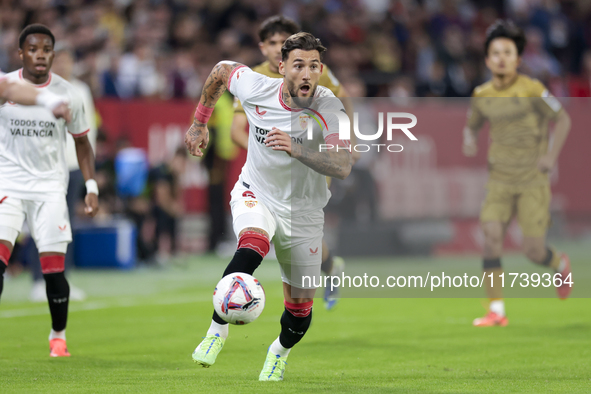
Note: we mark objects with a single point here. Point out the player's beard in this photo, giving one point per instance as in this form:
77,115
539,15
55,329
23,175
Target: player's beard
300,102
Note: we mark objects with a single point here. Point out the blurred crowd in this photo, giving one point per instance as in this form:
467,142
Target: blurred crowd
166,48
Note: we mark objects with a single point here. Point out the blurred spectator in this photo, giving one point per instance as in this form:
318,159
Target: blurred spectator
137,74
164,182
537,62
581,86
220,151
163,49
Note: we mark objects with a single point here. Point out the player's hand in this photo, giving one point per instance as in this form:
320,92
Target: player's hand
278,140
63,111
469,148
197,138
92,206
546,163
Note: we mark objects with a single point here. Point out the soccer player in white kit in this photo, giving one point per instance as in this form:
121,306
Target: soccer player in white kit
34,174
282,189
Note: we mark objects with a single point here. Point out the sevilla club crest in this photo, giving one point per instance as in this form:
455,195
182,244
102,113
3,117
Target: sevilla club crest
304,121
250,204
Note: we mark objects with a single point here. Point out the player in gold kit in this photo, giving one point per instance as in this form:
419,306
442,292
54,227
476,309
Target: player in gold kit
273,33
518,109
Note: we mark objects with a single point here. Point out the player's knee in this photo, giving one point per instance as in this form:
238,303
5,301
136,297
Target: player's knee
493,241
492,248
52,264
535,253
255,241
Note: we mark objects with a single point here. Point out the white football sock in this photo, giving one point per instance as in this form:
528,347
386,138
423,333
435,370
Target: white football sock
57,334
498,307
561,266
220,329
277,348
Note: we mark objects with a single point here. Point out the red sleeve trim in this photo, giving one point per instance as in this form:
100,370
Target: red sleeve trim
80,134
232,75
333,139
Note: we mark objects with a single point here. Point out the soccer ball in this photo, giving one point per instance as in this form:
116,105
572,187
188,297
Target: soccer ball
239,298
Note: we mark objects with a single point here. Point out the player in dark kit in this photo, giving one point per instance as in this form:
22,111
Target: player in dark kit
520,158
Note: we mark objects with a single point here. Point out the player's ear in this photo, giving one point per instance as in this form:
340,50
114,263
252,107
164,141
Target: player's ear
262,48
281,67
20,54
321,67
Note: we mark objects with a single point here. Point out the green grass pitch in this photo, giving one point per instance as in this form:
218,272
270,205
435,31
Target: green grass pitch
137,330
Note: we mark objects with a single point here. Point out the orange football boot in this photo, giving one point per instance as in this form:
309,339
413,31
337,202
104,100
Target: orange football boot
491,319
58,348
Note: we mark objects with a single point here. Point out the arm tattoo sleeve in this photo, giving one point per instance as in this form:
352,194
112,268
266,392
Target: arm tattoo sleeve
334,164
217,82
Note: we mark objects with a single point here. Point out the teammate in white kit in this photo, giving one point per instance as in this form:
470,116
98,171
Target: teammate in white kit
23,93
282,189
34,174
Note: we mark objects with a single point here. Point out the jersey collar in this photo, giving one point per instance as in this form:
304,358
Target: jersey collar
43,85
285,106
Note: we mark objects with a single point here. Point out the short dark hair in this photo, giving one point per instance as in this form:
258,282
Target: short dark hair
35,28
304,41
505,29
277,24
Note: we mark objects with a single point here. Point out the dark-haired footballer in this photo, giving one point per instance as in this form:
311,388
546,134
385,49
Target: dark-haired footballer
34,174
272,34
518,109
282,189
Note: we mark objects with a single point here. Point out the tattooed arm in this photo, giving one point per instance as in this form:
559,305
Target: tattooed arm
333,163
197,136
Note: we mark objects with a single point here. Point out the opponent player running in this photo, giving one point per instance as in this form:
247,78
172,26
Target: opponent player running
282,189
34,174
273,33
519,160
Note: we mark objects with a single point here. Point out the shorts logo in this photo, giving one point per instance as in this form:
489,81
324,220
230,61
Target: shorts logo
248,193
250,204
62,228
259,112
3,198
313,251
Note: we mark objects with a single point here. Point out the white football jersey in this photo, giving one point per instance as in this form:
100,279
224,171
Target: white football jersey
287,186
33,144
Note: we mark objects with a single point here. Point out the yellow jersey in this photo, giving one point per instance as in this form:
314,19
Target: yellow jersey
327,79
518,116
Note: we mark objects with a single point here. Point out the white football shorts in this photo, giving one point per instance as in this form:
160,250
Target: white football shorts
297,239
48,221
